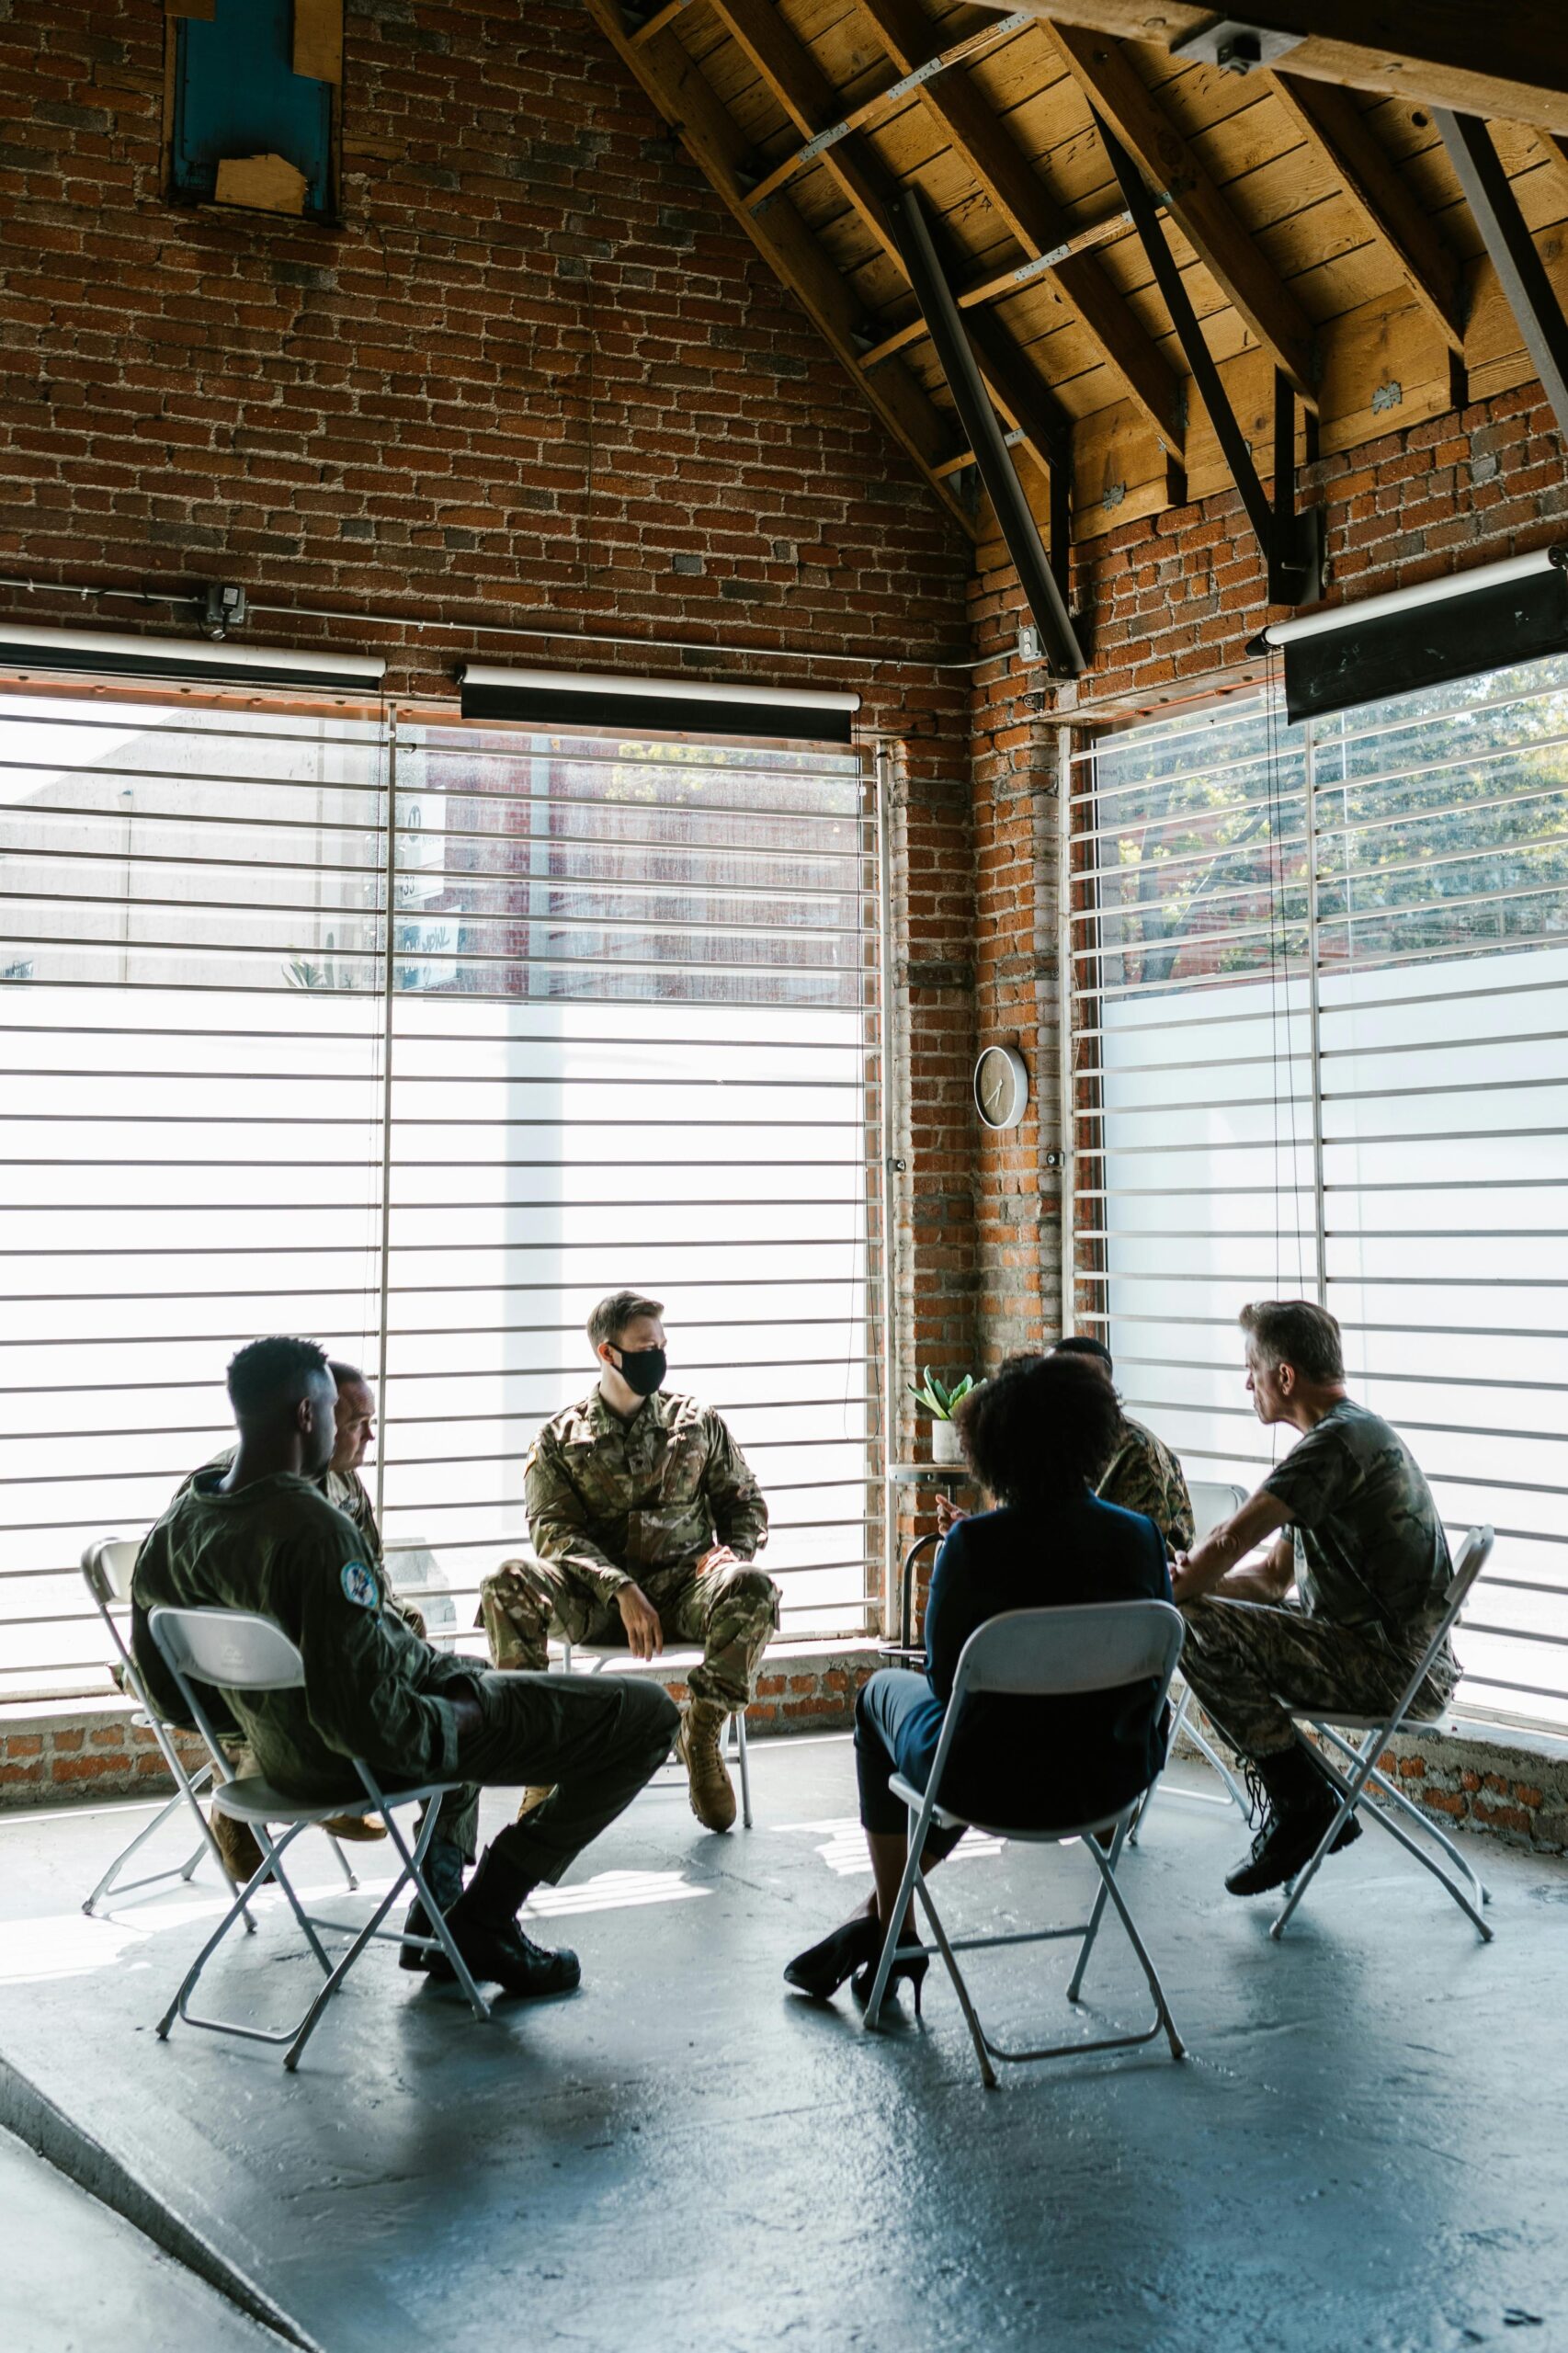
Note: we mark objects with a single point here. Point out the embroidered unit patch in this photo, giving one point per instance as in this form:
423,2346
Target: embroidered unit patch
360,1586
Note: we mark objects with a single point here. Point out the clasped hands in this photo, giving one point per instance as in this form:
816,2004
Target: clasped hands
645,1633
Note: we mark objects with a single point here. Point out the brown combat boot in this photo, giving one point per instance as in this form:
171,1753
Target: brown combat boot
237,1842
359,1829
532,1799
696,1746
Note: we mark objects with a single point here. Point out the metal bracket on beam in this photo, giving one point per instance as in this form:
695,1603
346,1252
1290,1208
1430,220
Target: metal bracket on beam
1495,211
1236,46
1290,544
1040,577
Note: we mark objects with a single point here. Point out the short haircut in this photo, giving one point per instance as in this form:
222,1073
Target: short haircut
268,1376
1296,1332
612,1315
347,1376
1080,1345
1040,1430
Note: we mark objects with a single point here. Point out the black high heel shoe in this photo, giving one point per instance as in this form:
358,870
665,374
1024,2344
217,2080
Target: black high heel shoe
912,1965
822,1968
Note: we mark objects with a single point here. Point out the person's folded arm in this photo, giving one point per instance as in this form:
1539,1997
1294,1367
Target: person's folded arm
559,1529
734,1498
952,1612
1215,1561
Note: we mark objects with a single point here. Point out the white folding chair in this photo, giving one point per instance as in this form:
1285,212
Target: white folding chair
107,1567
598,1654
1211,1501
1040,1654
234,1651
1466,1889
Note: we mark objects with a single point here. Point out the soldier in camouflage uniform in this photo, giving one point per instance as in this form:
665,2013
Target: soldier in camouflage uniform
1364,1548
263,1538
355,1425
643,1521
1142,1475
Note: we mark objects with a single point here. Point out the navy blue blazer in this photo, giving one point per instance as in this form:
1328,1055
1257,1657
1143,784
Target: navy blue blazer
1027,1761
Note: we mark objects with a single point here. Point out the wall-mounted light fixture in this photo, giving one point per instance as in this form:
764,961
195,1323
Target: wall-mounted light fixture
608,698
99,653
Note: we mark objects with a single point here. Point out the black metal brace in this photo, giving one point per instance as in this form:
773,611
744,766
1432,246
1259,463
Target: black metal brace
1495,208
1043,578
1291,542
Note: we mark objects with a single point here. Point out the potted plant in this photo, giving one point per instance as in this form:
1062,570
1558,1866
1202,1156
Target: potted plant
938,1401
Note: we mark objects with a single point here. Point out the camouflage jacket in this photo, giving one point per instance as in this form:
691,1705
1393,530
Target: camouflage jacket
611,1500
1371,1548
1144,1475
372,1689
345,1491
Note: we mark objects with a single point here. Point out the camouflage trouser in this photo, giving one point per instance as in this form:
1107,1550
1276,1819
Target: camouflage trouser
1243,1658
732,1610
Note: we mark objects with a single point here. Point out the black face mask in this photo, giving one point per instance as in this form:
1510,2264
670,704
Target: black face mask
643,1369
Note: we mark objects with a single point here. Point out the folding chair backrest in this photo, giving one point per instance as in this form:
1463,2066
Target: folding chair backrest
106,1566
1096,1647
1212,1501
228,1648
1472,1557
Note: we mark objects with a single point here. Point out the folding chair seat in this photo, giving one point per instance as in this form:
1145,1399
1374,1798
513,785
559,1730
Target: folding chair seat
1213,1500
598,1654
1040,1654
234,1651
1363,1774
107,1567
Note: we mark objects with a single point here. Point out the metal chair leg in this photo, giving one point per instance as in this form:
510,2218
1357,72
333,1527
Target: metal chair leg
738,1722
1075,1982
960,1987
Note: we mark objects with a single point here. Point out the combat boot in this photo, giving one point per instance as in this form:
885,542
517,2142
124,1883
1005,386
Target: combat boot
696,1746
237,1842
532,1801
1301,1803
484,1928
444,1878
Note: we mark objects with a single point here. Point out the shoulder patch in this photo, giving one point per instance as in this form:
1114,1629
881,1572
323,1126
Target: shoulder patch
360,1586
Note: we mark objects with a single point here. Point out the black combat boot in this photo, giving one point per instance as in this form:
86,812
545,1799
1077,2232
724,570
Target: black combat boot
483,1922
1299,1803
444,1878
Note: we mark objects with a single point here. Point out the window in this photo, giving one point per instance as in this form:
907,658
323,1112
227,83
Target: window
1321,1049
626,1040
253,104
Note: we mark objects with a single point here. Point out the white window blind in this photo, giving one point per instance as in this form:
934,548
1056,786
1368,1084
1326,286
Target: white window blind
419,1039
1321,1049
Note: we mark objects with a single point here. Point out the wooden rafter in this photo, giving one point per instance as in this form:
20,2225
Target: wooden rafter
1115,88
1510,60
993,156
811,103
996,285
683,97
1335,123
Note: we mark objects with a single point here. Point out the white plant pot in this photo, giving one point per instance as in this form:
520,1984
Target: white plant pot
945,1447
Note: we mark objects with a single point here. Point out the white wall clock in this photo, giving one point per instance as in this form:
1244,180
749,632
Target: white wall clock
1001,1086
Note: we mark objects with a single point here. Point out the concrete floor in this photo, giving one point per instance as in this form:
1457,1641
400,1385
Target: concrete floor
1367,2148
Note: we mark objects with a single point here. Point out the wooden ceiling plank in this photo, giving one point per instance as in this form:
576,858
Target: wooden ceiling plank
1010,180
667,73
1113,87
1508,62
812,104
1334,122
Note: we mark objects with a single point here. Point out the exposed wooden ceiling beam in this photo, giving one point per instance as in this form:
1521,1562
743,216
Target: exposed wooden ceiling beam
1009,179
1335,123
683,95
1508,61
996,285
812,104
1115,88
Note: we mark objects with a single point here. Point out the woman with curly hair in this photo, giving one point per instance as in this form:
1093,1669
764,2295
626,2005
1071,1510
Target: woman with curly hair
1037,1437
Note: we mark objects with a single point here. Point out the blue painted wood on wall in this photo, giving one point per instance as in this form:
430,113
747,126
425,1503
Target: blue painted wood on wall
236,94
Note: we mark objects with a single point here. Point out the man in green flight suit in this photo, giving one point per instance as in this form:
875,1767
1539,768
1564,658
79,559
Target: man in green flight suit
643,1521
262,1537
354,1423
